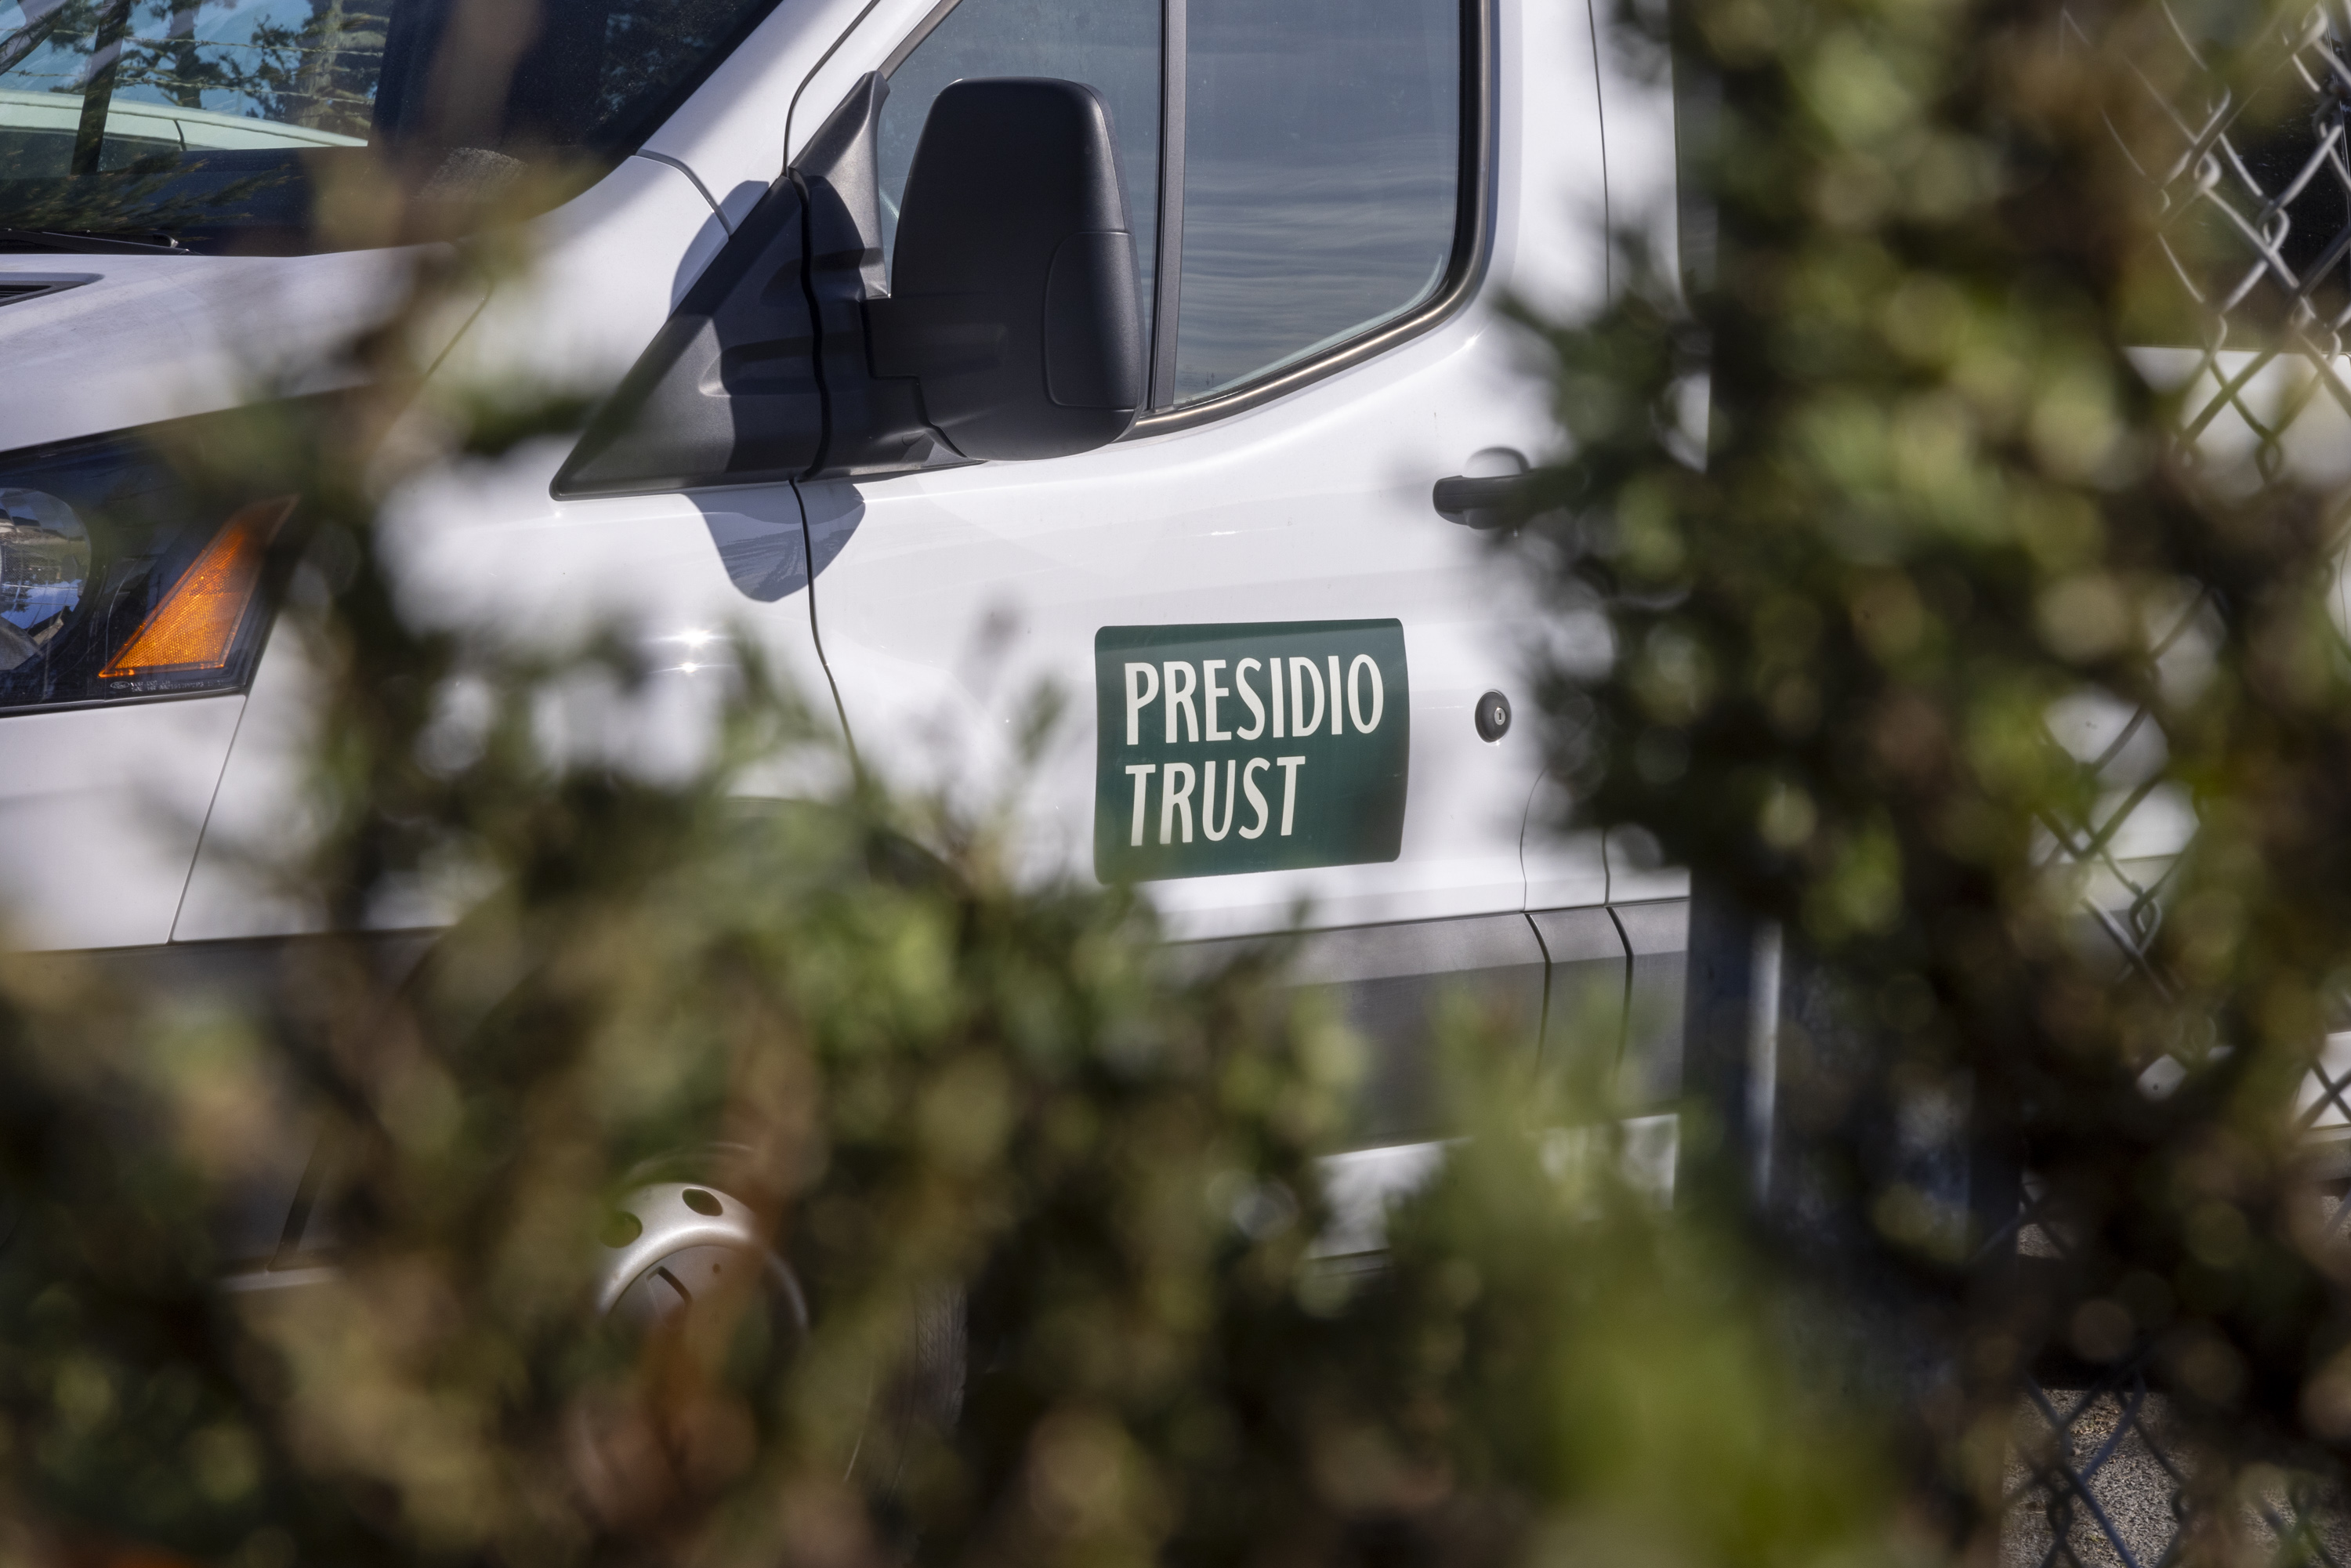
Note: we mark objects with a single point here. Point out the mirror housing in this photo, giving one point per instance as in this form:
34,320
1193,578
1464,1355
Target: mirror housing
1013,300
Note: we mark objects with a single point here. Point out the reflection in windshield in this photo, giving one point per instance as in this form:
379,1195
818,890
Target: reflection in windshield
92,85
195,119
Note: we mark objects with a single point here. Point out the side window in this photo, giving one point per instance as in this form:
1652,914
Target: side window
1321,161
1111,46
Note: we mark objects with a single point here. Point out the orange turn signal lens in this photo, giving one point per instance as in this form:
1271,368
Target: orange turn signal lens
196,626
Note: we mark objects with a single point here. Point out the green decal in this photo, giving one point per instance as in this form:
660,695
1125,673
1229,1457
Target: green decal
1262,746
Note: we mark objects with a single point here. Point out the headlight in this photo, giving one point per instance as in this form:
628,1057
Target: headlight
121,579
44,567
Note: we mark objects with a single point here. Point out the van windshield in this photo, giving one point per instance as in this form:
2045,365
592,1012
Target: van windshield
203,124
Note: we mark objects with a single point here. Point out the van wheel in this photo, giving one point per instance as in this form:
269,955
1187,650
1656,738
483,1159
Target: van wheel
669,1244
643,1443
666,1244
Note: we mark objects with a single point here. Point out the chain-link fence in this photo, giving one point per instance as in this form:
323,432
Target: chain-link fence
2255,171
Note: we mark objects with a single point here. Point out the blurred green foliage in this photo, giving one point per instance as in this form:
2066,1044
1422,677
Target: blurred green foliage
1945,506
1052,1190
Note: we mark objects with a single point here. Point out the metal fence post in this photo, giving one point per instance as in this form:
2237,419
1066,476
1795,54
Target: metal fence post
1725,1155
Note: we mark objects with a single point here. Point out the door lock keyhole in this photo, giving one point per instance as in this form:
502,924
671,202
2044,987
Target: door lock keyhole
1493,717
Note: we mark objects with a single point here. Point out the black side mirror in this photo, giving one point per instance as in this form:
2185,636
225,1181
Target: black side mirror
1012,298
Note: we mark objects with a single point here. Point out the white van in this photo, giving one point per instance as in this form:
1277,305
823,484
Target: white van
1220,471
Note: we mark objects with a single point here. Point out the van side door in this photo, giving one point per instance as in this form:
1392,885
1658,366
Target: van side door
1270,645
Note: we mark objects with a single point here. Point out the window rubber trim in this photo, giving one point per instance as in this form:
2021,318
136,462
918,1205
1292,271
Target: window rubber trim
1167,265
1473,231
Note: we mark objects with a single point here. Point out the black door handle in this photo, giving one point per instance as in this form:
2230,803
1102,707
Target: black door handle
1477,503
